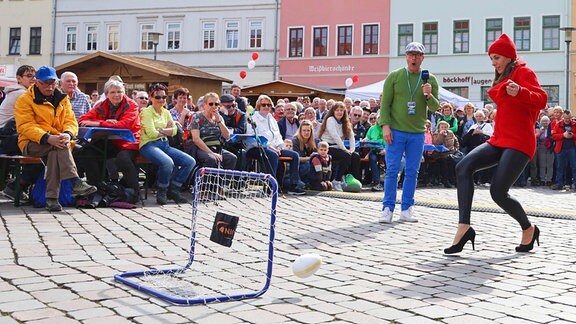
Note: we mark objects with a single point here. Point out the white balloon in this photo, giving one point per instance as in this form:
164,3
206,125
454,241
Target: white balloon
251,64
349,82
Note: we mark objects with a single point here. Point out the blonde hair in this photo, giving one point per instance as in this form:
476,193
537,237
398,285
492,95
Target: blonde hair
323,144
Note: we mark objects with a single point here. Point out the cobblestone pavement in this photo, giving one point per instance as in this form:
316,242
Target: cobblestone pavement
59,267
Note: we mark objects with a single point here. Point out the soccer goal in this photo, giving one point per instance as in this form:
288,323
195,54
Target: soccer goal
231,242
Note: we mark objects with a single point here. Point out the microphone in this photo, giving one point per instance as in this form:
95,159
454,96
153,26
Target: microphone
425,75
250,121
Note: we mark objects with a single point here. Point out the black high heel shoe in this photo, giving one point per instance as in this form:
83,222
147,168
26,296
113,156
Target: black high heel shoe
470,235
528,247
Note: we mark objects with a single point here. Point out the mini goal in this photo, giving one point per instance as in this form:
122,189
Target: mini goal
231,242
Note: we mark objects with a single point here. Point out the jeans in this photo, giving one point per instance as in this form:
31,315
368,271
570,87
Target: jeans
374,167
174,166
565,157
410,146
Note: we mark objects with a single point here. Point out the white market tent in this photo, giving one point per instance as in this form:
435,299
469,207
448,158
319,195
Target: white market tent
373,91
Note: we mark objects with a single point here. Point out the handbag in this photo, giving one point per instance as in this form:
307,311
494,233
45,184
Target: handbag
457,156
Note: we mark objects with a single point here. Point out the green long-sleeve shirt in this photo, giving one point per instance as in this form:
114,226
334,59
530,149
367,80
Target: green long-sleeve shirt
395,98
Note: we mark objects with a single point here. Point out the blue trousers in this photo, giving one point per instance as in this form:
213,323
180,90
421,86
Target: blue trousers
410,146
174,166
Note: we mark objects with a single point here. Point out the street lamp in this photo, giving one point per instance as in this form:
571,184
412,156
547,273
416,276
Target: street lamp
155,41
568,40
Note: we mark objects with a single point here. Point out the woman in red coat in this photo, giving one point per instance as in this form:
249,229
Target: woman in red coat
519,98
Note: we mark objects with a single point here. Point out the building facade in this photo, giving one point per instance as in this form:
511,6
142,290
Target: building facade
324,43
216,37
24,39
457,41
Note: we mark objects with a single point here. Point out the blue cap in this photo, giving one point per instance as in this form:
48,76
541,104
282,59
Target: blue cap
46,73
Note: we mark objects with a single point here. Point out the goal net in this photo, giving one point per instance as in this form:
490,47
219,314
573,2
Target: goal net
231,242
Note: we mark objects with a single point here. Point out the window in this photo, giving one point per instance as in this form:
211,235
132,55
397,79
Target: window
145,37
209,34
173,37
255,34
493,31
461,36
296,41
461,91
430,37
344,40
91,38
35,40
522,33
232,30
553,92
371,35
14,46
551,32
484,95
405,37
71,36
320,46
113,37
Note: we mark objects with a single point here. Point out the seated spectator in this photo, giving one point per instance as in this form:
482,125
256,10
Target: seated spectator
25,77
181,116
478,133
444,136
447,111
208,132
310,115
142,100
116,111
279,112
235,121
305,144
335,128
374,134
288,125
565,148
269,156
46,124
545,151
320,169
467,120
174,166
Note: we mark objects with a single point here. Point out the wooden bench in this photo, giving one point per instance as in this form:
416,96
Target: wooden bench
19,161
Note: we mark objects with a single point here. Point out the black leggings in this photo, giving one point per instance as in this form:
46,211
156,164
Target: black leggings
510,164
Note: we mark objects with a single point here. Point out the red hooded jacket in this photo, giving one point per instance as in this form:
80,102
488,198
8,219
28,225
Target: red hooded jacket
127,118
516,117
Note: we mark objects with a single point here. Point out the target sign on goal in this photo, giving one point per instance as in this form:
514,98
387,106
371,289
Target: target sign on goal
231,242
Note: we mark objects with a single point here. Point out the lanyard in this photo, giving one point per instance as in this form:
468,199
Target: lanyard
412,92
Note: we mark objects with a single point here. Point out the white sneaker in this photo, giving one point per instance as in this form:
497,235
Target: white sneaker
386,216
336,185
408,215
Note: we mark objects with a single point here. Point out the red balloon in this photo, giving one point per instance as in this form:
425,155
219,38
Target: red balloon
243,74
355,78
254,56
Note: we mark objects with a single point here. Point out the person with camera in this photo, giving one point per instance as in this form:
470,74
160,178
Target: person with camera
565,149
519,97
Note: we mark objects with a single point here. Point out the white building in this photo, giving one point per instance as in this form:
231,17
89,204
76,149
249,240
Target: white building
218,37
25,39
457,35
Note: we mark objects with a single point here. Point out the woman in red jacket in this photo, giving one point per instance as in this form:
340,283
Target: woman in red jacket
519,98
565,148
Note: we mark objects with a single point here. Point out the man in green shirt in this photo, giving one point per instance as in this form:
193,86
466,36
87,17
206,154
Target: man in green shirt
407,93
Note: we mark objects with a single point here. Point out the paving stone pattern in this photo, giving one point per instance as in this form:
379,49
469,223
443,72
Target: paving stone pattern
59,267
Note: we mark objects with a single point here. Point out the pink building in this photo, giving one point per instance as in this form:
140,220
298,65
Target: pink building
323,43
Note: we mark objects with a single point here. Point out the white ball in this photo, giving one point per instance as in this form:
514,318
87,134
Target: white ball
306,265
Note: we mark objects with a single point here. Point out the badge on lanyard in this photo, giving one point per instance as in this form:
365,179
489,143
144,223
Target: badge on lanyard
411,108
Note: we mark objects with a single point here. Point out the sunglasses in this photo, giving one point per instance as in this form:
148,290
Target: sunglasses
160,97
145,98
372,118
357,115
30,76
95,95
212,104
228,106
266,105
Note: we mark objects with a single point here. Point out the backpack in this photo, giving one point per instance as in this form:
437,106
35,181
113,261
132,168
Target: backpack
9,138
65,197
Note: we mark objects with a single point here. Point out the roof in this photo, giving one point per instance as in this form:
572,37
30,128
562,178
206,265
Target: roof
306,89
164,68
